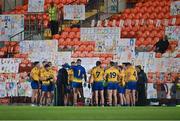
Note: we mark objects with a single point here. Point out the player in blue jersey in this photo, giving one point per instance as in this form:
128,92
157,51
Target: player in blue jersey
79,74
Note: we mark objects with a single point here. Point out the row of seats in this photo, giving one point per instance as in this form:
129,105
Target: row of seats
149,33
59,3
70,38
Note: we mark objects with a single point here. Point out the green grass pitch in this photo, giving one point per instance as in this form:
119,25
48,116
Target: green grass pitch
88,113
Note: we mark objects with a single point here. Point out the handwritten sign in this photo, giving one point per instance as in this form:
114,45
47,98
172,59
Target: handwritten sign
36,6
74,12
10,25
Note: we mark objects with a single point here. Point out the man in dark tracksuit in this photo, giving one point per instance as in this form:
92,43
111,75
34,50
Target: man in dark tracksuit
62,83
141,86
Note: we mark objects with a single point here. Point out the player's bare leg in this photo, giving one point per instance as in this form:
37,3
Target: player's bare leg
96,97
128,97
43,96
102,97
93,98
75,93
36,96
133,97
66,96
48,98
121,99
114,93
52,96
33,96
124,99
110,97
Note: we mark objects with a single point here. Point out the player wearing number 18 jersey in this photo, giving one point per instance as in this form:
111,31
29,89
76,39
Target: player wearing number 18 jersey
98,74
131,79
112,75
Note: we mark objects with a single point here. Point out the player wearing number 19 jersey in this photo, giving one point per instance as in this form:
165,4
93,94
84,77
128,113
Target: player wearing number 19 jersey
98,74
112,75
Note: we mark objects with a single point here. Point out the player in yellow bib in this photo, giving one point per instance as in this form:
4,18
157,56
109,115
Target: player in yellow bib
97,74
121,86
68,90
131,79
112,75
52,82
35,75
47,78
42,69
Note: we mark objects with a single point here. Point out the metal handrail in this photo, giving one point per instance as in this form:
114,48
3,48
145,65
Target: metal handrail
16,35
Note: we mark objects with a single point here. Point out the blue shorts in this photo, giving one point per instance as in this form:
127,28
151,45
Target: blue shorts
34,84
76,85
51,87
131,85
112,85
45,88
121,89
97,86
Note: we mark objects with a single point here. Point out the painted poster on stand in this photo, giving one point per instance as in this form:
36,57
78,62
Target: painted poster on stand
40,50
35,6
173,32
42,56
11,87
166,91
175,8
62,58
145,59
29,46
10,25
9,65
106,38
74,12
2,89
151,91
125,50
24,89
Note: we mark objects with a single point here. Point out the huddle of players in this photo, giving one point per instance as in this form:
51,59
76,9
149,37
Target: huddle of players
107,84
116,81
42,82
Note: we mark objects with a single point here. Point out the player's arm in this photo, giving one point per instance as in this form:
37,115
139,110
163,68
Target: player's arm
128,74
136,75
105,75
85,77
84,74
91,79
53,77
120,78
118,75
32,73
42,77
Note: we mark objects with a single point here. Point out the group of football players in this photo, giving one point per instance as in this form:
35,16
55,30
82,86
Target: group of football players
111,86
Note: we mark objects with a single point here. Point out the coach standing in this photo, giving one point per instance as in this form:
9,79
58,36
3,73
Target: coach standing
141,86
53,15
62,82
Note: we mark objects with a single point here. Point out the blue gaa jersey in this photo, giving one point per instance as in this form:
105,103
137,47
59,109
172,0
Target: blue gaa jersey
79,72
